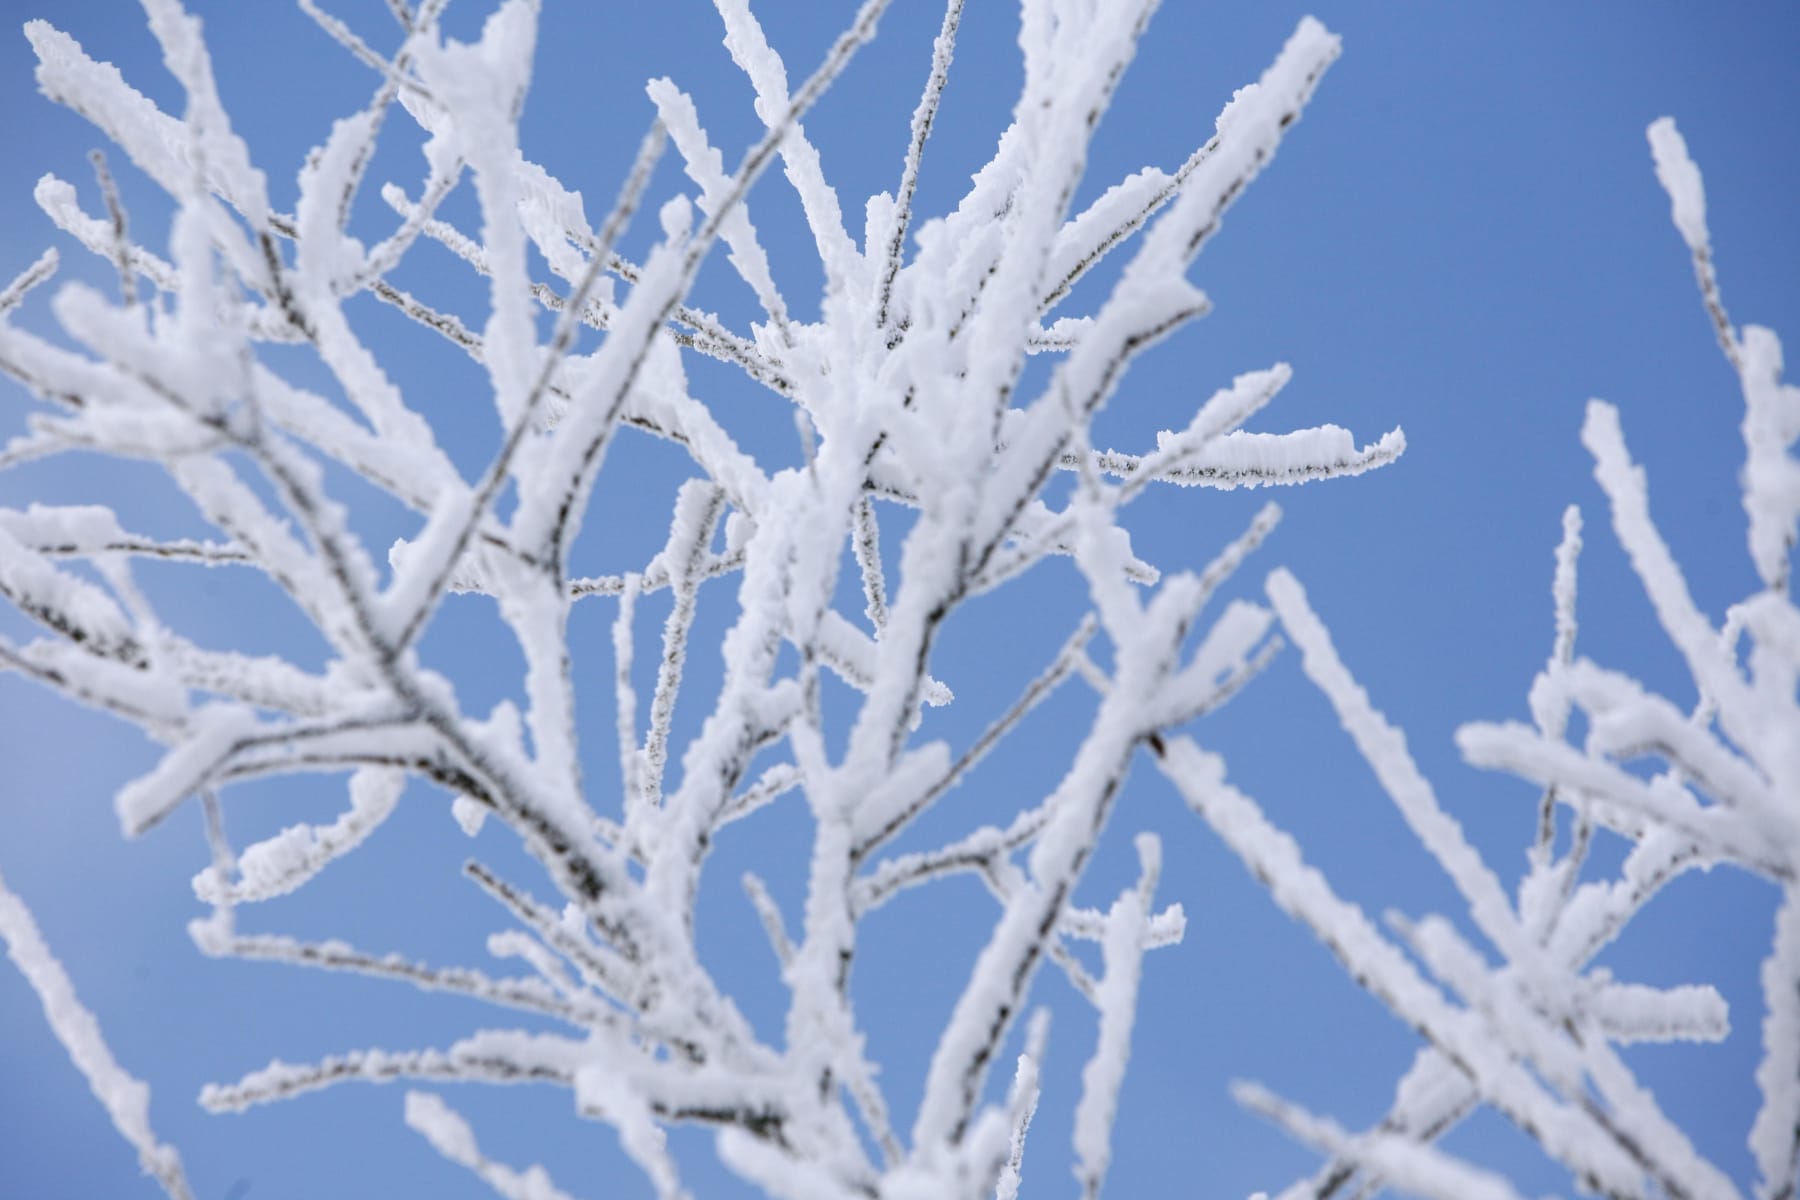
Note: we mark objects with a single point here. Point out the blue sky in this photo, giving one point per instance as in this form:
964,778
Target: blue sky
1463,238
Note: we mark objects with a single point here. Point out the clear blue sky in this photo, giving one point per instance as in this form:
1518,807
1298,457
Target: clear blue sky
1463,237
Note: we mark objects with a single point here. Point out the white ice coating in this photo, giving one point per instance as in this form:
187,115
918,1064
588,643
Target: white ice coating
280,864
1123,954
1680,178
1415,1168
64,602
214,732
1771,476
706,168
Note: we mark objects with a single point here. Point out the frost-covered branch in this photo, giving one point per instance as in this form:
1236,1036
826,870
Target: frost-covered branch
125,1098
450,1135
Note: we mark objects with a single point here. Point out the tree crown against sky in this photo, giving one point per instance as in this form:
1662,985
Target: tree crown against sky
923,473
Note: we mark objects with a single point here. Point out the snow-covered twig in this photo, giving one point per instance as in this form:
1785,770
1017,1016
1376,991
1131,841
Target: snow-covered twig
450,1135
125,1098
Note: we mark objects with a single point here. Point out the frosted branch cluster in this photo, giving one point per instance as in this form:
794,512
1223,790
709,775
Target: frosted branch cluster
1531,1027
939,459
912,400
